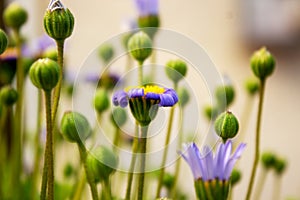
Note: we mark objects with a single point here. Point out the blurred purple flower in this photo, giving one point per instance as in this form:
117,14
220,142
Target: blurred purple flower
147,7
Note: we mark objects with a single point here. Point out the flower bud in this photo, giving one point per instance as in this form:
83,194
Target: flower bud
279,166
119,116
44,74
8,95
226,125
101,163
149,23
168,180
210,112
176,70
106,52
252,85
58,21
224,95
75,127
262,63
140,46
183,96
235,176
50,53
3,41
101,100
268,159
15,16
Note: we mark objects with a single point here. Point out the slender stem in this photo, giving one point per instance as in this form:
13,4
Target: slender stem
79,186
37,156
135,148
277,187
83,155
163,163
18,118
106,192
257,143
261,183
116,138
60,61
140,75
153,61
143,149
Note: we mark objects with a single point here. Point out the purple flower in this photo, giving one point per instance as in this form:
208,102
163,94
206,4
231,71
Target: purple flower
147,7
208,166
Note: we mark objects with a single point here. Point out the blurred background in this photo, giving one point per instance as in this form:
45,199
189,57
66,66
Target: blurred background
229,31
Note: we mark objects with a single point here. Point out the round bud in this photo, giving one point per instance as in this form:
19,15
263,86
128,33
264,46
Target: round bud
168,180
15,16
8,95
252,85
268,159
224,95
176,70
140,46
68,170
58,22
235,176
226,125
183,96
262,63
149,23
106,52
101,100
119,116
3,41
210,112
44,74
50,53
101,163
75,127
279,166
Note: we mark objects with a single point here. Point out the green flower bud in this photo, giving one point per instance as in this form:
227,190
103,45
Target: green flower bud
150,23
168,180
183,96
15,16
119,116
140,46
235,176
44,74
101,163
210,112
268,159
75,127
8,95
68,170
279,166
262,63
3,41
176,70
50,53
58,21
101,100
224,95
226,125
106,52
252,85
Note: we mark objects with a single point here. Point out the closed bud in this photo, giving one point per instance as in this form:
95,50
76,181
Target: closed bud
168,180
140,46
224,95
150,23
101,100
119,116
210,112
58,21
252,85
50,53
8,95
279,166
235,176
226,125
15,16
268,159
44,74
75,127
3,41
183,96
106,52
101,163
176,70
262,63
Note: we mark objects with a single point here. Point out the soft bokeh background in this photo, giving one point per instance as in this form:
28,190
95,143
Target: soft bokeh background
229,31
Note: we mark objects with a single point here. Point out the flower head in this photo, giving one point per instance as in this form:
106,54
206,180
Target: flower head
144,101
147,7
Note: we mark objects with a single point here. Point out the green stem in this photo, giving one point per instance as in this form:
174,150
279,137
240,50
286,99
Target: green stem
60,61
83,155
261,183
116,138
106,192
135,148
37,156
163,163
143,149
277,187
140,75
257,143
79,187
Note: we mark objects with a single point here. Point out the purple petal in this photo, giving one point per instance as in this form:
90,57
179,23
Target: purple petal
136,92
147,7
173,94
153,96
120,98
208,163
166,100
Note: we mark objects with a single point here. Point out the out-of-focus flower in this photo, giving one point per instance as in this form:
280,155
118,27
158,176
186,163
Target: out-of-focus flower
144,101
107,81
147,7
212,171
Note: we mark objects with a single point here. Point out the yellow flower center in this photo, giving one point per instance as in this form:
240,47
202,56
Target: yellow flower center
153,89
